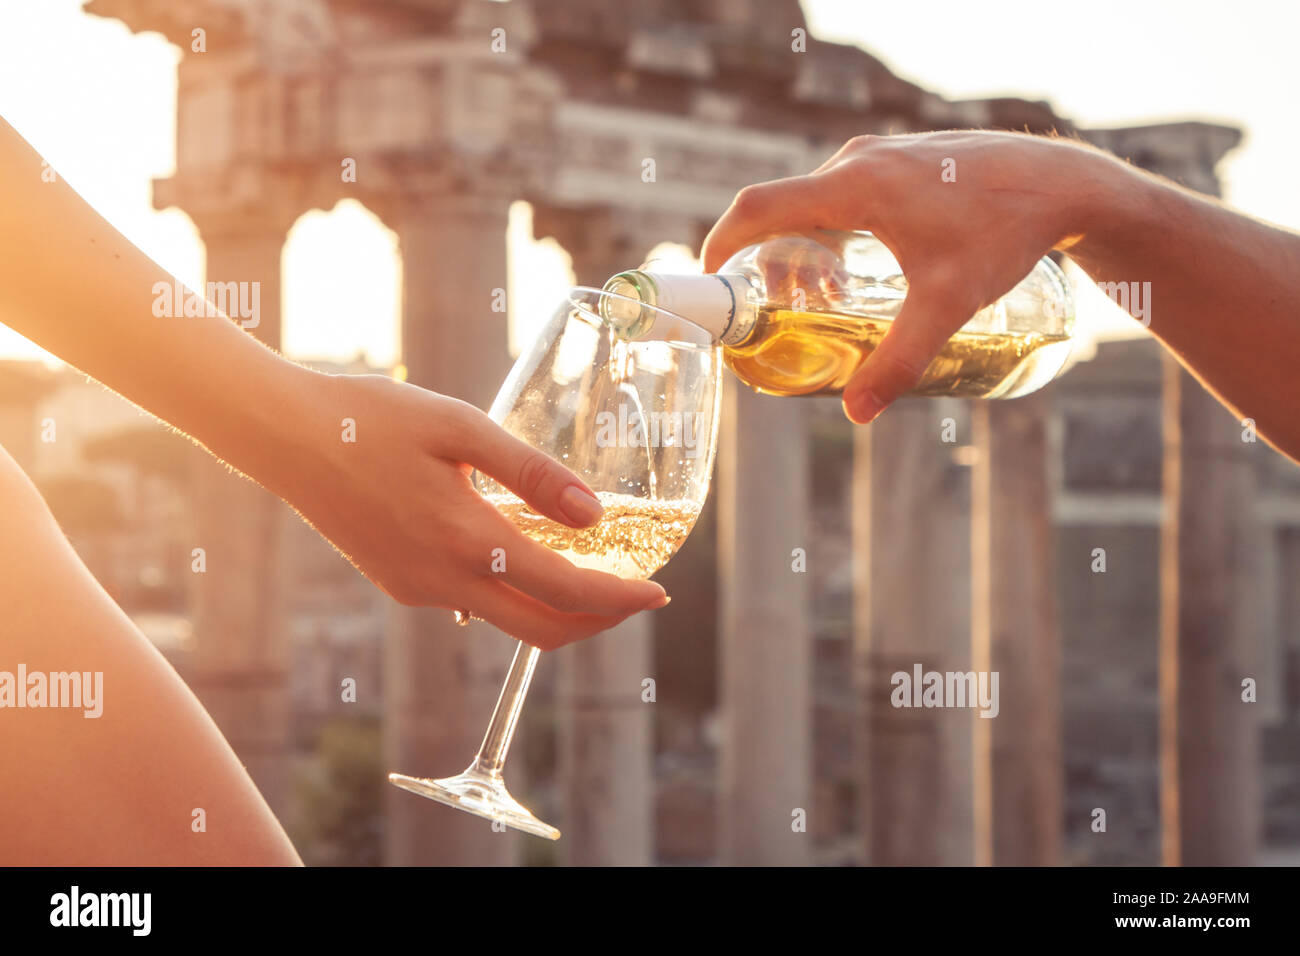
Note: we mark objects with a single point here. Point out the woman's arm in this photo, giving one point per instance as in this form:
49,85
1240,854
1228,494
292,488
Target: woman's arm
401,506
1224,288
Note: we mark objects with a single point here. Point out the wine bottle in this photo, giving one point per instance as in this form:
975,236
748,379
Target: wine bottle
797,315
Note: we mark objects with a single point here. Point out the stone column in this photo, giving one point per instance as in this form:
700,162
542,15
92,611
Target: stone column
1209,738
440,680
766,654
1018,759
1209,581
242,652
912,606
606,747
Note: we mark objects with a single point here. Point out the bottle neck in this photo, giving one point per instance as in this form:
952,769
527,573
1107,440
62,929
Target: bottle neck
722,304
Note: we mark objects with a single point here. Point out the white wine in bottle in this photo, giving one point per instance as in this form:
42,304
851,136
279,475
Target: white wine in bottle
797,315
634,538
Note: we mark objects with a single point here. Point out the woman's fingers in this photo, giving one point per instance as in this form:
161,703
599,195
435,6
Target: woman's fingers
547,486
550,578
529,620
492,545
534,569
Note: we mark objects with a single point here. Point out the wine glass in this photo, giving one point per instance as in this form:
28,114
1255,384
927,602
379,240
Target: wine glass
637,420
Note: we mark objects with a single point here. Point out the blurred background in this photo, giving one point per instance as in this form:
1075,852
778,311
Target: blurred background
416,182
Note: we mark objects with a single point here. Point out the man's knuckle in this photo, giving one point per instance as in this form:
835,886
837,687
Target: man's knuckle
750,200
908,365
948,283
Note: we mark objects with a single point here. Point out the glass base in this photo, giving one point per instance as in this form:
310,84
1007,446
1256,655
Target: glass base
480,793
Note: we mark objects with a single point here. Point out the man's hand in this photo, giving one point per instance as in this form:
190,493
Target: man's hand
962,244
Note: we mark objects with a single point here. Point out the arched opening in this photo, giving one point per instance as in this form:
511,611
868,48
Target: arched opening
342,288
671,257
539,273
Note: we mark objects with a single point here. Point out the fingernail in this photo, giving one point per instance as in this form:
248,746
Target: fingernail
663,601
861,407
580,506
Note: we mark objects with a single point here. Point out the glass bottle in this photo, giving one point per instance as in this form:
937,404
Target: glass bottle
797,315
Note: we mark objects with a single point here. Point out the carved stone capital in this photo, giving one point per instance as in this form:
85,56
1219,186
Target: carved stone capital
601,240
240,201
1185,152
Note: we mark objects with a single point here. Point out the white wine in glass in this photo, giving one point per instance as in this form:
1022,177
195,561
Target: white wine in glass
633,539
638,422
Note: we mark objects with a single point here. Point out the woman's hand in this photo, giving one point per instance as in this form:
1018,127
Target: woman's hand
963,239
399,503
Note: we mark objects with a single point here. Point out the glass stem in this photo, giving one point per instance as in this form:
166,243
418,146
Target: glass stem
496,742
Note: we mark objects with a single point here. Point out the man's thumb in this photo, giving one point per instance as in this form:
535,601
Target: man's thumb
924,324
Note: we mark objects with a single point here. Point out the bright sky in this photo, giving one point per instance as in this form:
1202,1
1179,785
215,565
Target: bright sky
99,103
1109,63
